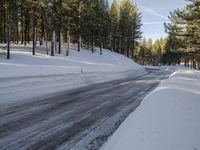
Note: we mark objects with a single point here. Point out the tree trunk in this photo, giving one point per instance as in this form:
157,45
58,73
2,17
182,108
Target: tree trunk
4,27
17,32
25,32
22,29
133,49
8,43
52,48
34,39
28,36
198,64
43,31
53,43
1,23
93,44
60,41
79,43
47,48
46,42
68,43
101,45
79,25
194,64
185,63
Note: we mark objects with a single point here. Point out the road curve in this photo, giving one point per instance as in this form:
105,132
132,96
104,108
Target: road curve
63,120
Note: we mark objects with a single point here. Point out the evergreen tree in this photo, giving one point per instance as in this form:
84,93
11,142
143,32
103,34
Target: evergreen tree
129,27
90,23
114,35
184,33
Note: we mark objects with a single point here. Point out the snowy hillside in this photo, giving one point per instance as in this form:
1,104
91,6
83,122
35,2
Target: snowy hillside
167,119
23,63
26,76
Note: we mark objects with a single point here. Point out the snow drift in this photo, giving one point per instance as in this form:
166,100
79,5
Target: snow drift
168,118
25,76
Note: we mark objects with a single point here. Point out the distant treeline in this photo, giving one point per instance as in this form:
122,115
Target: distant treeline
149,52
182,44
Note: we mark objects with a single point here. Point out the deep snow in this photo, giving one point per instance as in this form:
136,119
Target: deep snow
25,76
23,63
168,118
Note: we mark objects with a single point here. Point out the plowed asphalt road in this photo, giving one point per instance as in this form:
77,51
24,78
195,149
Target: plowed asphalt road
63,120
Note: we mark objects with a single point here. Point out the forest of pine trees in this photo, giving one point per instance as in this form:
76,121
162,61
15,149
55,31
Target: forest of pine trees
93,23
182,45
89,23
149,52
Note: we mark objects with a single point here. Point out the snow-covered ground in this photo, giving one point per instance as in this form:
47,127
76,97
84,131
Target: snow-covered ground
23,63
170,69
26,76
167,119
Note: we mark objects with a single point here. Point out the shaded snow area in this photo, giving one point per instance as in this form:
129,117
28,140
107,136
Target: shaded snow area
26,76
167,119
167,69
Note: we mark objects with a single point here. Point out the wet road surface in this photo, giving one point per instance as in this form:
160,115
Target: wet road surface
66,118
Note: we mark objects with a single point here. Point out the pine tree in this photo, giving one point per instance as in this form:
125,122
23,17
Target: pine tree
136,29
130,24
184,32
149,54
90,23
114,15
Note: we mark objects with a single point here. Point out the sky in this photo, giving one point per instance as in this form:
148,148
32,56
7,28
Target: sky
155,13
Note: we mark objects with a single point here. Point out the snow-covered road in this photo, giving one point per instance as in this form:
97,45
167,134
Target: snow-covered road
81,118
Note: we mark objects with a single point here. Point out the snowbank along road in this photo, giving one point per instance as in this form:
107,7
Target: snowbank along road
82,118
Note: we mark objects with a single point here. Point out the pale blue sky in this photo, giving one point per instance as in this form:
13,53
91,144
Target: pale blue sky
155,13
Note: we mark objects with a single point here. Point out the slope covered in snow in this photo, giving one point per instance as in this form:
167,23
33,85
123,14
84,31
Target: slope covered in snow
26,76
168,118
23,63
